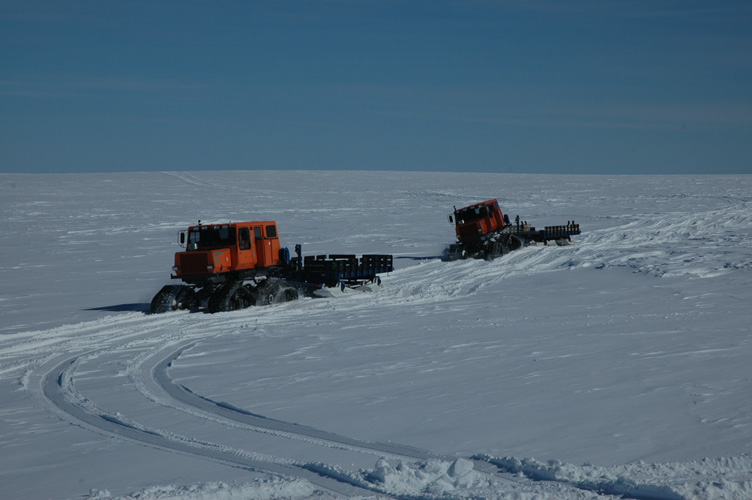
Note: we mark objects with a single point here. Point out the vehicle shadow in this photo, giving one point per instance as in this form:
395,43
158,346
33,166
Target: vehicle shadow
135,307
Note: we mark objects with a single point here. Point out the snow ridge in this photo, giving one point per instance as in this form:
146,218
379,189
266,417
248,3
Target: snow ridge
665,481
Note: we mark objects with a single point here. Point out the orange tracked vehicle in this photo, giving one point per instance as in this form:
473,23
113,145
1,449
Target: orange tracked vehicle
235,265
484,231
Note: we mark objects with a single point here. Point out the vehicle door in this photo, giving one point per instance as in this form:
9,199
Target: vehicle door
246,249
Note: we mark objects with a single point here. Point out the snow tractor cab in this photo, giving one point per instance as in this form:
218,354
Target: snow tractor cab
484,231
476,221
235,265
218,252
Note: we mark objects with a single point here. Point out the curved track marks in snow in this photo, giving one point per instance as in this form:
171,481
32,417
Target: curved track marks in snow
53,384
58,388
142,349
99,346
228,411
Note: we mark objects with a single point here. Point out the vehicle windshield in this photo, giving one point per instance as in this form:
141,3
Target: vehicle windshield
470,214
211,237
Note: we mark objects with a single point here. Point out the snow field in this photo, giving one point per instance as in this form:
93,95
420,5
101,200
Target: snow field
627,352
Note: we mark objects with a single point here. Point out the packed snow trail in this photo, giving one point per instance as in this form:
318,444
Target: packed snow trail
226,410
58,388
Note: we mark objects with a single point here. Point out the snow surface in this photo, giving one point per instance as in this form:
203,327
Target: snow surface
616,366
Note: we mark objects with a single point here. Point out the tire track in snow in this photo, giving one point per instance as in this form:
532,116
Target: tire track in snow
57,388
185,395
143,333
223,410
49,381
495,469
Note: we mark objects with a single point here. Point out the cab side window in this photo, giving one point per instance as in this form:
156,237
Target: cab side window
244,237
257,232
271,231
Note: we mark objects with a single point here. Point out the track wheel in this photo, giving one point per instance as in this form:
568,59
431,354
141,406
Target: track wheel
289,294
230,297
503,245
515,242
172,298
495,249
274,290
453,252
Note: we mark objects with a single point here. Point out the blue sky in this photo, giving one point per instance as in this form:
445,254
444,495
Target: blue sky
530,86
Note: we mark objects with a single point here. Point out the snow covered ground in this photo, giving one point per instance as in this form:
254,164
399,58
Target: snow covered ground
617,366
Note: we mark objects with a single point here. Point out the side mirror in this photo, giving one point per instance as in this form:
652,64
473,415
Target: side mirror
451,219
181,238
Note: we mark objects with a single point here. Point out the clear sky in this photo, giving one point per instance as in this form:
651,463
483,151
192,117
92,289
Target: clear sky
531,86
